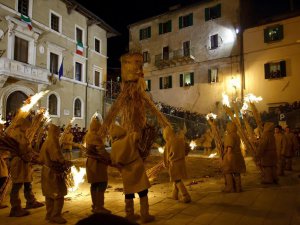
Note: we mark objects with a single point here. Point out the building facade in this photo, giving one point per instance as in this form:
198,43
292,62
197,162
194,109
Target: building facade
40,40
191,54
271,59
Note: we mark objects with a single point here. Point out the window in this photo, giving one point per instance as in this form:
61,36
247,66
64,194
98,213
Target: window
146,57
145,33
53,105
79,35
77,108
148,85
213,12
165,82
165,27
55,23
186,48
53,63
275,70
97,45
78,71
23,7
274,33
21,50
185,21
213,76
214,41
165,53
97,78
187,79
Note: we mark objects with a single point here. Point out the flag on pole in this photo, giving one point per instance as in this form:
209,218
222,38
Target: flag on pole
26,20
79,48
61,69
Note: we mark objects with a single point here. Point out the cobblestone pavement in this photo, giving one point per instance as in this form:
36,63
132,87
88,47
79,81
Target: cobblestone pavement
256,205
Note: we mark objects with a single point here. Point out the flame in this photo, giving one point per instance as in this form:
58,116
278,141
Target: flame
252,98
72,120
193,144
212,155
211,116
78,177
2,121
161,149
33,100
225,100
244,108
98,115
47,116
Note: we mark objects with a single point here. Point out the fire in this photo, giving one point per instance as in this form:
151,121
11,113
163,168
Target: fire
47,116
211,116
161,150
225,100
244,107
212,155
33,100
252,98
78,177
2,121
193,145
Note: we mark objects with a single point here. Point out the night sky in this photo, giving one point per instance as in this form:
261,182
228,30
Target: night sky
119,14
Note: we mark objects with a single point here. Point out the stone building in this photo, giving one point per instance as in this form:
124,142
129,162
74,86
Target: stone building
191,54
40,40
271,59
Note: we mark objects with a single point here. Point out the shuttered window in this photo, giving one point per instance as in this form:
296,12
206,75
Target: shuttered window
275,70
274,33
145,33
186,79
165,82
165,27
186,21
21,50
212,12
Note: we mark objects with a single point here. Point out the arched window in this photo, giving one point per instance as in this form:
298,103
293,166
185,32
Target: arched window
77,108
52,105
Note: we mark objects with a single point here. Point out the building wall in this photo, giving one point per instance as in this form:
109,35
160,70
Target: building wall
274,91
202,96
67,89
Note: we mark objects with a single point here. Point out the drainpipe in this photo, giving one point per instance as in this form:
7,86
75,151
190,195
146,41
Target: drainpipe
241,52
86,74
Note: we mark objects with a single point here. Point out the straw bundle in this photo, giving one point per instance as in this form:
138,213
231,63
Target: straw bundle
155,170
149,134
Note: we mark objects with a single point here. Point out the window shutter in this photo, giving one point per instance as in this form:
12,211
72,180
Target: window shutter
266,35
180,22
160,83
149,85
149,32
282,68
191,19
209,76
206,14
267,71
169,25
160,28
280,35
170,81
141,35
181,80
218,8
192,78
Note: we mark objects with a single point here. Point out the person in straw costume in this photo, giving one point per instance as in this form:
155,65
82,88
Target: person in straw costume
233,163
96,169
126,157
3,167
280,140
21,170
67,145
266,153
290,149
174,160
53,182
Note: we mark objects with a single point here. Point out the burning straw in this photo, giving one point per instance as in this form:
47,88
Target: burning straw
211,121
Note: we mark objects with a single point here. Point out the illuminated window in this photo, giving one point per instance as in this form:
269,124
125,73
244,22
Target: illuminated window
148,85
214,41
213,76
165,82
165,27
213,12
275,70
186,21
145,33
187,79
274,33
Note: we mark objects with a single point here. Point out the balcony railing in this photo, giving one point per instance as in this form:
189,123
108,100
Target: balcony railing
175,57
23,71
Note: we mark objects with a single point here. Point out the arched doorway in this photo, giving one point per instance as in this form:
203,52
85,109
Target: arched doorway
14,102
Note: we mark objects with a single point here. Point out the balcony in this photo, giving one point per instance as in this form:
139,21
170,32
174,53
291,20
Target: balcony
23,71
176,57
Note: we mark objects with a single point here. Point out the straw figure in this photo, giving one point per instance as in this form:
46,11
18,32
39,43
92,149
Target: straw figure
96,166
126,157
174,160
53,181
233,163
